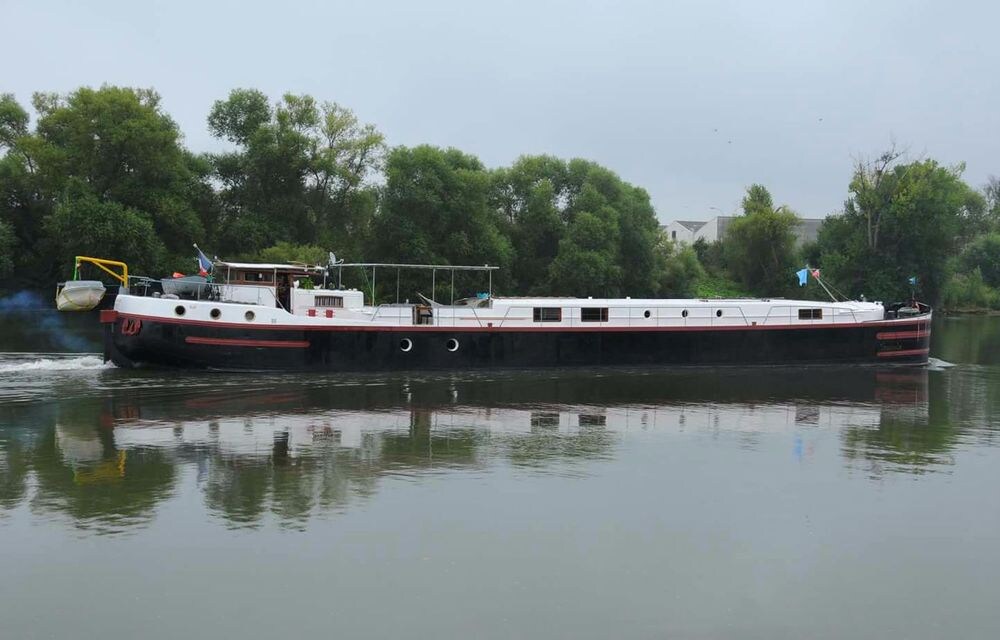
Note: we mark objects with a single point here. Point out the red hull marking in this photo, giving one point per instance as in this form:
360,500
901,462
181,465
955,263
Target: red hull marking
236,342
903,352
901,335
108,316
561,329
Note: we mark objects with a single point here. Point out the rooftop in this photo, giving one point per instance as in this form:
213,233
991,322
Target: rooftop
692,225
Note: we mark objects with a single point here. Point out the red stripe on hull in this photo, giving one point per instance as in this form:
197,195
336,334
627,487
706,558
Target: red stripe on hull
236,342
903,352
902,335
521,329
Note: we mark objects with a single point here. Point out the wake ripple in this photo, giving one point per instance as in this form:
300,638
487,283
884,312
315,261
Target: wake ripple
21,363
936,364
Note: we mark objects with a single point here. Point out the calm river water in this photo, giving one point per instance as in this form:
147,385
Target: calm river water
779,503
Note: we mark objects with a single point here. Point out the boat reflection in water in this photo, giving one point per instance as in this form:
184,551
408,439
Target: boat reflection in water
292,450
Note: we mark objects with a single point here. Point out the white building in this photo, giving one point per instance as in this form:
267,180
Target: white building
690,231
683,230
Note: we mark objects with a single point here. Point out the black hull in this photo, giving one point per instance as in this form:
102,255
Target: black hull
132,341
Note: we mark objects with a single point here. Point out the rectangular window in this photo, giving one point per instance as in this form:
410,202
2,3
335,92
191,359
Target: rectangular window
257,276
594,314
547,314
810,314
329,301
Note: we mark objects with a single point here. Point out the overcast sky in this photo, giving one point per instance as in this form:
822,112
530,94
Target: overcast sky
691,100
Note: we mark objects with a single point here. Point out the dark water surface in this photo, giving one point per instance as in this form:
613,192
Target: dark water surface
779,503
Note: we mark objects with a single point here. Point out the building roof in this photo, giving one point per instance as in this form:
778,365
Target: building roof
691,225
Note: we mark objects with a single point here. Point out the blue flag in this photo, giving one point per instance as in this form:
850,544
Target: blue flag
803,275
913,281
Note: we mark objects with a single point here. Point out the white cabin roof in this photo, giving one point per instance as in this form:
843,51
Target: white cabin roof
262,266
691,302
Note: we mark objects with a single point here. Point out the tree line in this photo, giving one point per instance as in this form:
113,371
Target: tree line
105,172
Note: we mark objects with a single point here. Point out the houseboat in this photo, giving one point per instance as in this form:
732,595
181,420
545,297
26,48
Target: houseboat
256,316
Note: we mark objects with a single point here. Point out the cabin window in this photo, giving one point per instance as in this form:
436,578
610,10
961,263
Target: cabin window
547,314
257,276
810,314
329,301
594,314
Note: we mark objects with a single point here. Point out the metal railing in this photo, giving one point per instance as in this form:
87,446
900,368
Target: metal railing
660,316
258,295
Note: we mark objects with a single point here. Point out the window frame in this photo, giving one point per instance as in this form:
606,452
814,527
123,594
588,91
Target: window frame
811,314
544,314
602,314
336,302
250,277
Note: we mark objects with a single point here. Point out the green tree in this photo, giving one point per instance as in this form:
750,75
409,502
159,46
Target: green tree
991,197
969,292
599,191
588,261
126,150
900,220
680,271
540,199
759,246
116,151
983,253
757,200
435,210
82,224
8,244
528,196
301,172
285,252
22,205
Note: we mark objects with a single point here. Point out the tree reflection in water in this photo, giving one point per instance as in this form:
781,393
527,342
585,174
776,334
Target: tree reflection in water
284,450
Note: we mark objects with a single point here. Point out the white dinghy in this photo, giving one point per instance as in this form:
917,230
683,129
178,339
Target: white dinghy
79,295
84,295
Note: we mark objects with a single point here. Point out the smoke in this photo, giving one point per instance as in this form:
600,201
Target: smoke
31,322
22,301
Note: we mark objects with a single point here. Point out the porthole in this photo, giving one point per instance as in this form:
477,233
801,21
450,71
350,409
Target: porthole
215,313
451,345
249,315
718,313
684,313
405,345
179,309
645,314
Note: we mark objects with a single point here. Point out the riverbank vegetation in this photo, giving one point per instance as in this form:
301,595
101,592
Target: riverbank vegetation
105,172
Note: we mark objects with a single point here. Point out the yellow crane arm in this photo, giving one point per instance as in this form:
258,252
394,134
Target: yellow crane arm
103,265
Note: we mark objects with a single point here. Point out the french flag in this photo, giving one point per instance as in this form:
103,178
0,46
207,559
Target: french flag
204,264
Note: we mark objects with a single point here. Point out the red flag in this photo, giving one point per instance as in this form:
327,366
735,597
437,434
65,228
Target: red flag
178,274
